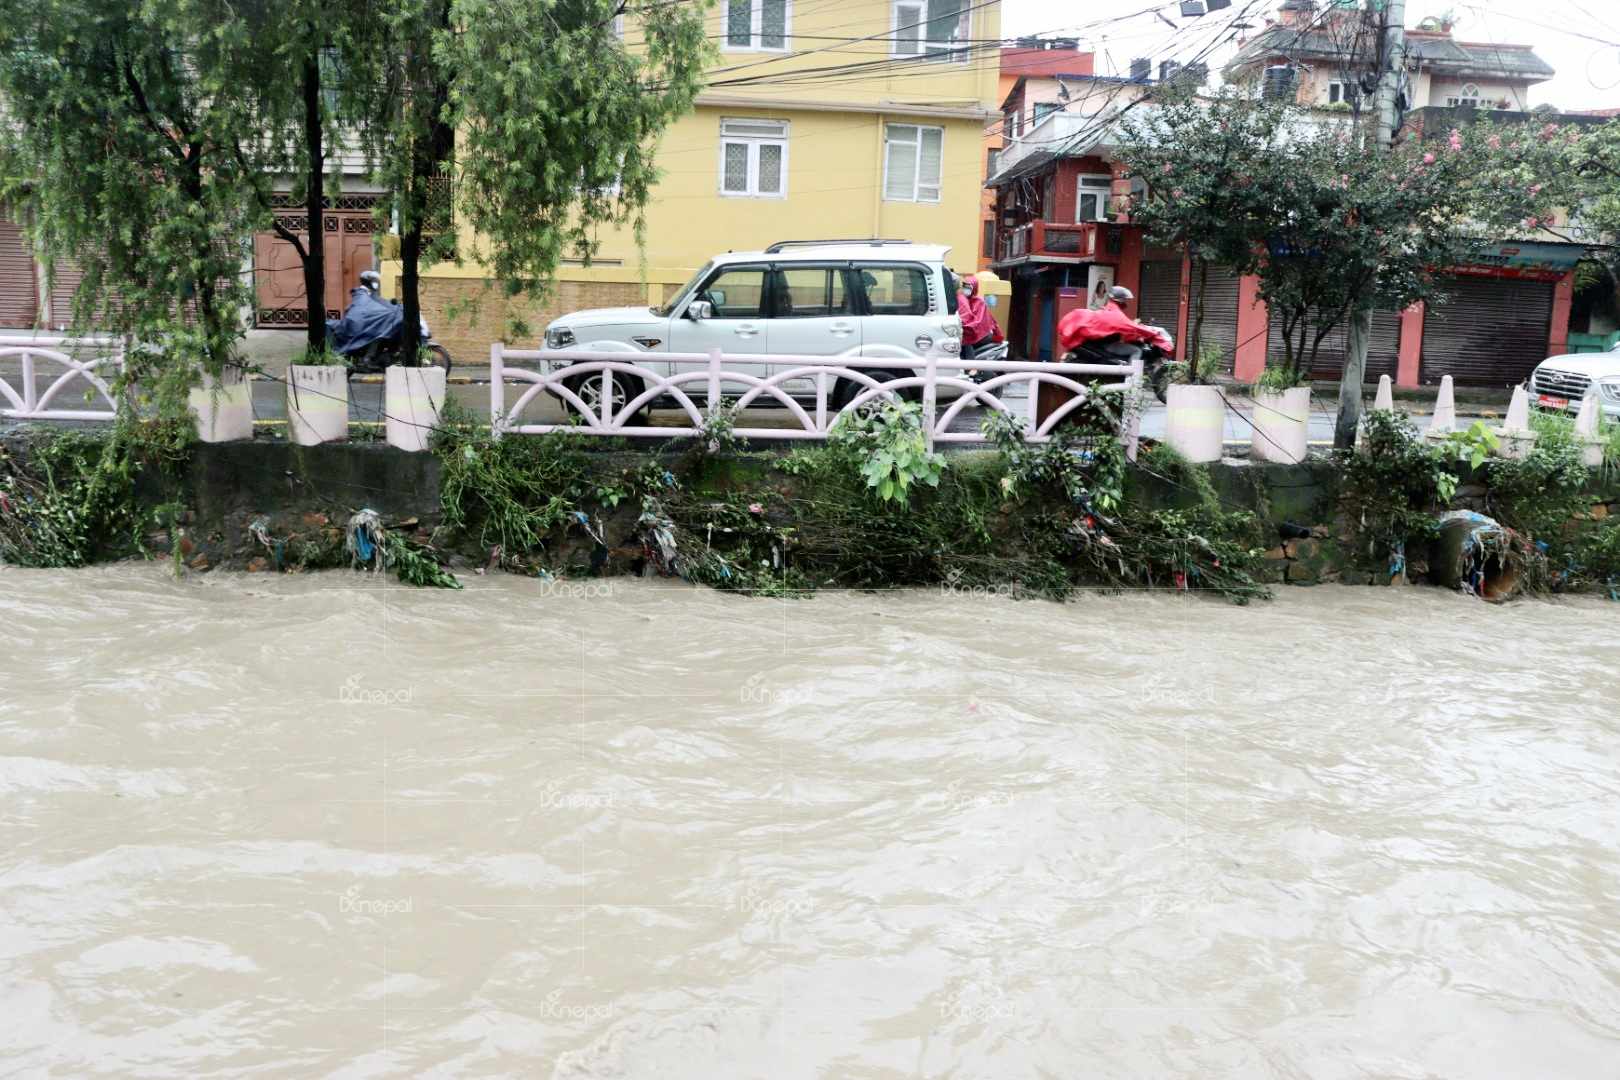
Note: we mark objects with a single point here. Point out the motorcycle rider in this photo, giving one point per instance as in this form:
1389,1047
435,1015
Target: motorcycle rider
979,327
1084,326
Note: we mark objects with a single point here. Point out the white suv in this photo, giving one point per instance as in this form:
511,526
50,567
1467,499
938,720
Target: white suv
882,299
1559,382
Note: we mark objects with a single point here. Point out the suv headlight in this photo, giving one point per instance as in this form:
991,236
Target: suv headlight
559,337
1611,388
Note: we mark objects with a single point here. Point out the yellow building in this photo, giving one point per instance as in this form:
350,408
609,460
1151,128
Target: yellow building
787,143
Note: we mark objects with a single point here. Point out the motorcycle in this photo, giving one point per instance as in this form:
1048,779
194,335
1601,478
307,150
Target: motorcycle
997,351
1157,357
370,335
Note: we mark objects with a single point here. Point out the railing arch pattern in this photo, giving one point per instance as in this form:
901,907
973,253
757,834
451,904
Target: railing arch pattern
694,382
20,395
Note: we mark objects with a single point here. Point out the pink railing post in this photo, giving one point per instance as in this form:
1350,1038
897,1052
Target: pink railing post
604,407
497,389
1133,412
1033,405
714,383
30,392
930,409
821,402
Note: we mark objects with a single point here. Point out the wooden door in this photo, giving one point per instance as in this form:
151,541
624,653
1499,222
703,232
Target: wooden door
279,273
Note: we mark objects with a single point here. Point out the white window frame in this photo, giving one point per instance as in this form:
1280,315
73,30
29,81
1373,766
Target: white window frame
756,26
1343,90
1080,190
753,141
1464,98
916,177
919,24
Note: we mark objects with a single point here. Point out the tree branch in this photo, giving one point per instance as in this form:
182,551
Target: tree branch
169,141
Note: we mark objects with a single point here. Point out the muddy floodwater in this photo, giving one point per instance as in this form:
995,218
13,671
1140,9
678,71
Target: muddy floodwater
329,826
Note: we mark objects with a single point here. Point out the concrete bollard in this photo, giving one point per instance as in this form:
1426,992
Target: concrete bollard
1586,429
1516,438
1385,398
1281,422
222,407
1195,421
317,403
1444,421
413,402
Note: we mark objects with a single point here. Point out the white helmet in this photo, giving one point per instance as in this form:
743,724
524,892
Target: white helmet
1121,295
371,280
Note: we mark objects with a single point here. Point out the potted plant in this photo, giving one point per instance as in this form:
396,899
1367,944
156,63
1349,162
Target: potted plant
1196,421
318,399
222,406
413,402
1281,416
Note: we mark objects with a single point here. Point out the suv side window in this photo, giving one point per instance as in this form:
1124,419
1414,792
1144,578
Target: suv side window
894,290
809,292
736,292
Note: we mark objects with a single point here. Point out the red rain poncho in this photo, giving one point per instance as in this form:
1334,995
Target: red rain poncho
1084,325
977,322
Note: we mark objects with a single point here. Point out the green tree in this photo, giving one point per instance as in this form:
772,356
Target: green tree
1199,158
1353,226
313,76
120,156
557,120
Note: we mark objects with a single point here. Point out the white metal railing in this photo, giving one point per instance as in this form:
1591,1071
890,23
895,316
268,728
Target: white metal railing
25,401
700,385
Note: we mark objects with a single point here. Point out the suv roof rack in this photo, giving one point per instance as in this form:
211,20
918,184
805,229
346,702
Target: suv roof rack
871,240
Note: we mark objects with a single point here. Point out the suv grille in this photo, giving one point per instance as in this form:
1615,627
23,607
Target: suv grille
1561,383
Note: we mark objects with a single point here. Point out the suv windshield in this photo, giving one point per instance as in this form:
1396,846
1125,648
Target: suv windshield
684,291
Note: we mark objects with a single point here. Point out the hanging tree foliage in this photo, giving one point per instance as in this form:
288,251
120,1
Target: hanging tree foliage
557,120
120,154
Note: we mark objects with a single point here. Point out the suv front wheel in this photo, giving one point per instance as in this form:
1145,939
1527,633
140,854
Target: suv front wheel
625,389
847,390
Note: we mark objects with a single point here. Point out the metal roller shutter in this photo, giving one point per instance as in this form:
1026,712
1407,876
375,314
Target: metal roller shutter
65,278
1220,312
1493,332
19,293
1160,301
1383,351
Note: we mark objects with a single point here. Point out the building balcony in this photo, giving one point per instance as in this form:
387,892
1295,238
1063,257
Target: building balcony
1046,141
1053,242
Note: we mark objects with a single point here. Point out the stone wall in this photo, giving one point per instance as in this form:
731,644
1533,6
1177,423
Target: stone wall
467,315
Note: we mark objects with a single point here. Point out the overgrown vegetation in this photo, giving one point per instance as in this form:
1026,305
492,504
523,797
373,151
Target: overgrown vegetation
71,499
1392,485
510,494
1538,495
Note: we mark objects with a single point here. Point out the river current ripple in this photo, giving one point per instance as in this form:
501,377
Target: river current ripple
331,826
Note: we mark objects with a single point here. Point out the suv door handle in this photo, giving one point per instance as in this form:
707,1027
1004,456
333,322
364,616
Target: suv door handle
843,329
746,330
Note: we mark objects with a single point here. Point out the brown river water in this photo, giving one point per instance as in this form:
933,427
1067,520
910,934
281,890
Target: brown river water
331,826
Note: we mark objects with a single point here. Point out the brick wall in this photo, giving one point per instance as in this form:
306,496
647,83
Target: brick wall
467,315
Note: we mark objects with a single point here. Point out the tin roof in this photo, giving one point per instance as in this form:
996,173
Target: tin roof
1437,51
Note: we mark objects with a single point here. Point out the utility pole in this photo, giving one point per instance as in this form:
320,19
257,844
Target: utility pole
1391,61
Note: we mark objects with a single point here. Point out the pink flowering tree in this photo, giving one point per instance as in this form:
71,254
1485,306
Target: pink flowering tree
1329,224
1353,227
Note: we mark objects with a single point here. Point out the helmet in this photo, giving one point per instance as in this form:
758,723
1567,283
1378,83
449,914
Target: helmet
371,280
1121,295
